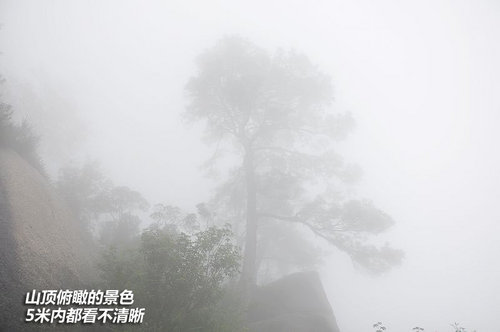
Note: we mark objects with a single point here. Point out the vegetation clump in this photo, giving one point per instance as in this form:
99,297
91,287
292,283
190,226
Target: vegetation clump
179,274
19,137
380,327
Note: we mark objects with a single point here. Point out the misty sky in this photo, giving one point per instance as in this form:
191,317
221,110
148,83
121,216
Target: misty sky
105,80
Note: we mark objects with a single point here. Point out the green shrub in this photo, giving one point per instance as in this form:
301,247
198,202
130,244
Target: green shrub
179,278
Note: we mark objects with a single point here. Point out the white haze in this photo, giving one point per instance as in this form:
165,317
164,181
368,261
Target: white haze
104,80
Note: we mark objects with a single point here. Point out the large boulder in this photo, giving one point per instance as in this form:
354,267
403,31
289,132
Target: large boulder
295,303
42,245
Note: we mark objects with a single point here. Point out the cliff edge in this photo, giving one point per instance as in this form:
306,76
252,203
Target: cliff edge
42,245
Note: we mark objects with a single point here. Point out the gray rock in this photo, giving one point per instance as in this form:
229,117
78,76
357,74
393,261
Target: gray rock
295,303
41,243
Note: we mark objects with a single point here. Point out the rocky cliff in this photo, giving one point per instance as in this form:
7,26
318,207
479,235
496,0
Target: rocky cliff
295,303
41,243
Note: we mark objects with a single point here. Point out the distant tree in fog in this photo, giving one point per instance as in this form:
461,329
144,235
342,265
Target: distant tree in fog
273,113
103,208
82,189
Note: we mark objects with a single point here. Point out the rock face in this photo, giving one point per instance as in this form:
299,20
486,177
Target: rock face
296,303
41,244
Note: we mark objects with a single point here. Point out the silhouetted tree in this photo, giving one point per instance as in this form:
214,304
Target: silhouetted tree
274,113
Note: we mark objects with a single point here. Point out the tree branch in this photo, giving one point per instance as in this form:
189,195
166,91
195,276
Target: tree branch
296,219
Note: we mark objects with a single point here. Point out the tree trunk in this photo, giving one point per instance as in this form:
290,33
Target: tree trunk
249,271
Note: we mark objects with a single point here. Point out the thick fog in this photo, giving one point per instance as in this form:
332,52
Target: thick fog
105,81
